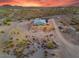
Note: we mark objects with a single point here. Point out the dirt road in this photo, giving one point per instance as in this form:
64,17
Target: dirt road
68,49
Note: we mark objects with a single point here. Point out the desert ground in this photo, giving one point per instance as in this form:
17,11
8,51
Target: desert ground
19,38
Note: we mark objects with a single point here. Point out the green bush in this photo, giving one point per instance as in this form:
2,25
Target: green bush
7,21
50,45
2,31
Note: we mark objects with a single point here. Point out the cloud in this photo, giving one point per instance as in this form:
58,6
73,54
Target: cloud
39,2
3,1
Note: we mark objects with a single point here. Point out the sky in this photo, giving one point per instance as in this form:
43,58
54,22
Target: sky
39,3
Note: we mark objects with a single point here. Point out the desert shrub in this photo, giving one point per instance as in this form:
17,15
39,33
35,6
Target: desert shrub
7,21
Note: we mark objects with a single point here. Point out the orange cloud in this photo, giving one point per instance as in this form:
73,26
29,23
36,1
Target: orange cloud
44,3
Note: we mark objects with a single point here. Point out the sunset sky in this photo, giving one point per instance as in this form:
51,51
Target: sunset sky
39,3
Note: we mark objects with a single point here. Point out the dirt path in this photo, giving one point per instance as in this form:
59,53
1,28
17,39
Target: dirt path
70,50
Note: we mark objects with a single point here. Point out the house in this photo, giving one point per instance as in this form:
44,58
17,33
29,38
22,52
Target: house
39,21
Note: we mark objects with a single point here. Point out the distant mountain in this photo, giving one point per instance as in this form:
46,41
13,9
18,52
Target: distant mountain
76,4
10,6
6,5
21,7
